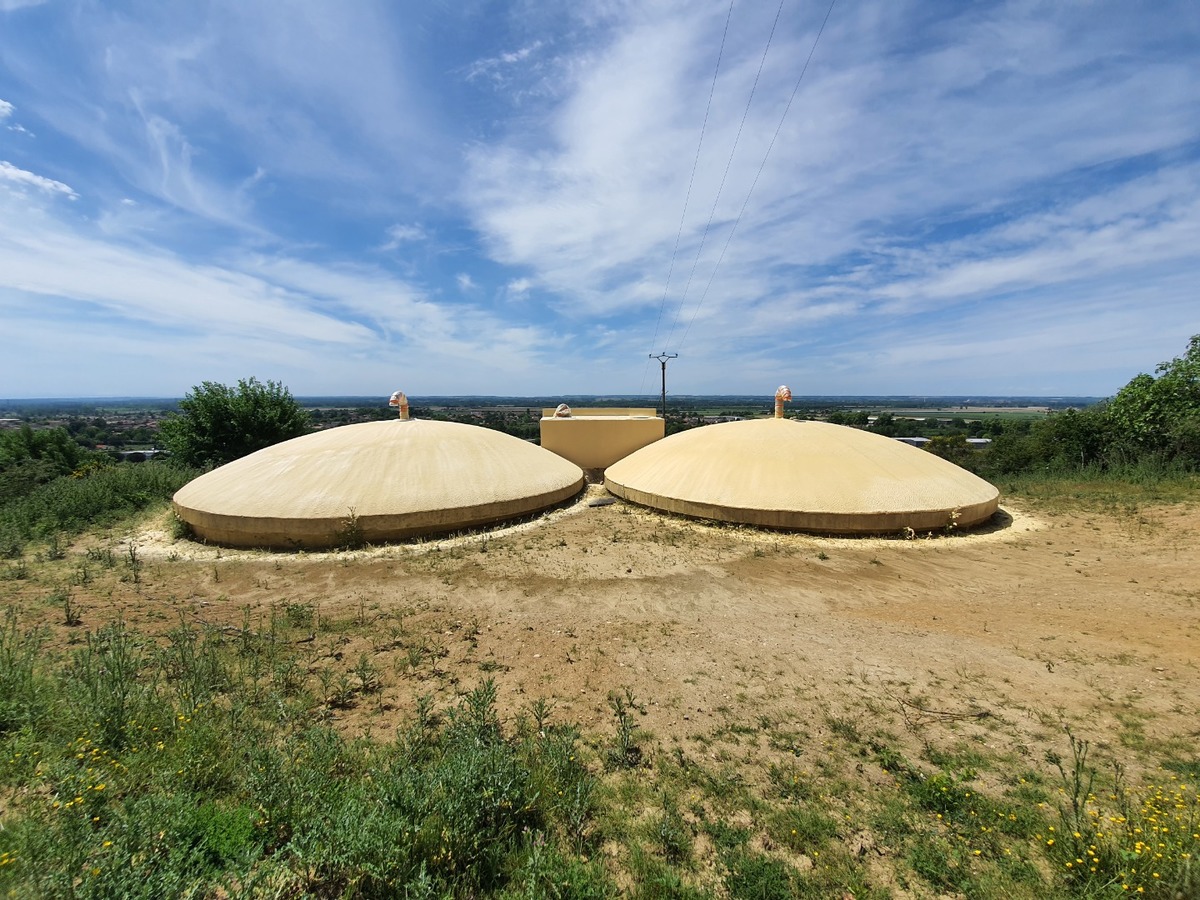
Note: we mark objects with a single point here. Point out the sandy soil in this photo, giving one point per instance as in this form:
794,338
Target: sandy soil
997,638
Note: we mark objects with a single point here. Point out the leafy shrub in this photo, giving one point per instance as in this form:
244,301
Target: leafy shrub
1151,425
221,423
30,458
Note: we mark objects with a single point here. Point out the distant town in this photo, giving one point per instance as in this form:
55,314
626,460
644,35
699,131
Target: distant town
128,426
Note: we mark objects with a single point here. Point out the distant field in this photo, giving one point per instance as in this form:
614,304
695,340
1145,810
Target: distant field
968,412
902,405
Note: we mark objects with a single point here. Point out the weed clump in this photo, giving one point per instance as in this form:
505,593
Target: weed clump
349,534
626,751
1147,846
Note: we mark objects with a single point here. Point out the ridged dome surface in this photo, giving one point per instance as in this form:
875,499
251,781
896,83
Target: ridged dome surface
374,482
804,476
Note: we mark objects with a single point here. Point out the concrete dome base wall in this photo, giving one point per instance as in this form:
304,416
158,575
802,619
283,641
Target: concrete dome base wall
815,522
270,533
803,476
383,480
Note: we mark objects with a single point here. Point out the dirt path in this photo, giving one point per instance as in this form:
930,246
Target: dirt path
997,638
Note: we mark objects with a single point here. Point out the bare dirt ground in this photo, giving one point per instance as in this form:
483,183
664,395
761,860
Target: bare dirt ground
994,639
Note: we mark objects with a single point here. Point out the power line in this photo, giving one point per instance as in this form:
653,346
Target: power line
729,164
758,174
683,216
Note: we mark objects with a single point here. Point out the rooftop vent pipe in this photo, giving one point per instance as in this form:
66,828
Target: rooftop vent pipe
783,394
400,401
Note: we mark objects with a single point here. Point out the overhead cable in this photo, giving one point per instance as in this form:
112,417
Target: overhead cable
758,174
728,164
683,216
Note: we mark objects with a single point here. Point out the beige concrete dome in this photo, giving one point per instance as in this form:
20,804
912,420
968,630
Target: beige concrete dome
806,476
391,479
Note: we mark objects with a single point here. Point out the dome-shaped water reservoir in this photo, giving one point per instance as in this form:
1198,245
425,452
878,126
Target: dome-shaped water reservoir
376,481
805,476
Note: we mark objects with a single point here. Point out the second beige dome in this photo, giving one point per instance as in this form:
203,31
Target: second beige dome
806,476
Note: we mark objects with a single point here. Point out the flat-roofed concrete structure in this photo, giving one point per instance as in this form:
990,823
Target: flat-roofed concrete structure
804,476
597,438
374,482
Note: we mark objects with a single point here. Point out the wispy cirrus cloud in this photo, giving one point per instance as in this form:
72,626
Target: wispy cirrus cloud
188,104
302,315
487,195
494,67
904,164
399,235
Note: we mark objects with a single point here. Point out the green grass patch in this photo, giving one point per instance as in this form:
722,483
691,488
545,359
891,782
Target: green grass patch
1120,492
200,764
133,769
70,505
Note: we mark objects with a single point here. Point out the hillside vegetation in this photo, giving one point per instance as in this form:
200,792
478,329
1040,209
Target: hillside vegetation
609,702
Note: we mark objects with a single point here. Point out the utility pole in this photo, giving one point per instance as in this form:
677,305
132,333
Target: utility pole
662,358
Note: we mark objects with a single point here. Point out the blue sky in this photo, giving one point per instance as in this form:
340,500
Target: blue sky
468,197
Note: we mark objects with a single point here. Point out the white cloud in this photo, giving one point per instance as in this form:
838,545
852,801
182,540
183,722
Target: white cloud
10,173
172,176
6,111
398,235
900,179
185,106
1150,221
942,181
202,320
493,67
156,290
518,289
399,310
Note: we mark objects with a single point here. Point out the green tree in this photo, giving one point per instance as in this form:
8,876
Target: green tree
30,458
221,423
1011,452
885,423
1161,416
1073,439
953,447
51,445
